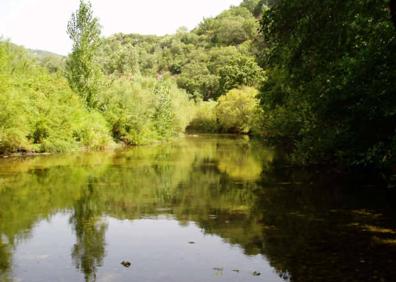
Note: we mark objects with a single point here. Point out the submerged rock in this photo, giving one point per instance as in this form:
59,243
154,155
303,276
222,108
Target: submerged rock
126,263
255,273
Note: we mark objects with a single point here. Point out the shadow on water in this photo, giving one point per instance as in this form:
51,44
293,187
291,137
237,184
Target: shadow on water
306,225
322,227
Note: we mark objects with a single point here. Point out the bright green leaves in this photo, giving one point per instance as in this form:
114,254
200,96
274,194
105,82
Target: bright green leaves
39,112
144,110
82,71
238,111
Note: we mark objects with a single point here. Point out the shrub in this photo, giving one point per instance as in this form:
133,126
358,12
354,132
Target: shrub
145,110
204,117
39,112
238,110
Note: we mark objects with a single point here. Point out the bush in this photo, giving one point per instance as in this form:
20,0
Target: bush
205,119
39,112
145,110
238,111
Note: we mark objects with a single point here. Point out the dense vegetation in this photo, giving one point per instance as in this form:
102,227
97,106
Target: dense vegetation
39,112
331,89
132,89
326,73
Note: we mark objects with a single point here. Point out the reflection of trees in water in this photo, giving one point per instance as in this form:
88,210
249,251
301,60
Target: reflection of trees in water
89,249
5,261
192,176
308,228
314,227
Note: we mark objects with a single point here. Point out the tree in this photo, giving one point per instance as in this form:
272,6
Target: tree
331,91
240,71
232,27
238,110
198,80
82,72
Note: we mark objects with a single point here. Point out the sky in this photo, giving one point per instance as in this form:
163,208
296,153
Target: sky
41,24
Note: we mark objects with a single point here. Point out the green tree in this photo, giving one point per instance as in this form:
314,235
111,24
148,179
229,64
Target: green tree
232,27
238,110
82,71
332,80
240,71
198,80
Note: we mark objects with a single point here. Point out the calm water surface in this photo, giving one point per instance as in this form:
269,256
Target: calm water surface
197,209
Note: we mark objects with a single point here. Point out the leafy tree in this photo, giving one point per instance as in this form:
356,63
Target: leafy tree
332,81
82,71
118,58
143,110
198,80
238,110
140,103
231,27
205,119
39,112
250,4
241,71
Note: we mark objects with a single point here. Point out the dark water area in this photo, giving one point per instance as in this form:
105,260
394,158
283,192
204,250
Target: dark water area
207,208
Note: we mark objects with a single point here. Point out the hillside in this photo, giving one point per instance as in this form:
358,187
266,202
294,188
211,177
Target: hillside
215,57
52,61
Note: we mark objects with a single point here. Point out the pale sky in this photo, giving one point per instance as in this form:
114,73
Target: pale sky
41,24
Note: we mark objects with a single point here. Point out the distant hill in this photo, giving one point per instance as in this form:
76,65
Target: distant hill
43,53
52,61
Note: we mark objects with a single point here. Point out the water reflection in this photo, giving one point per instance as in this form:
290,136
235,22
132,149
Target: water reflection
240,213
89,249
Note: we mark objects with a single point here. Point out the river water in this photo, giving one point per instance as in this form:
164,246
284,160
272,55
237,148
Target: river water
200,208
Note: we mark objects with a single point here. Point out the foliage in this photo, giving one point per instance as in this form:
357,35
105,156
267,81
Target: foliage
205,119
39,112
118,59
238,111
196,78
207,62
240,71
52,62
82,71
144,110
331,95
232,27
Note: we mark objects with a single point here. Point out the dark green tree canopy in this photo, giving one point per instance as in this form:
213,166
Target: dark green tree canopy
332,79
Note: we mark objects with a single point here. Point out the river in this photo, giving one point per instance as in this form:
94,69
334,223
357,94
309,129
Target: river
199,208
